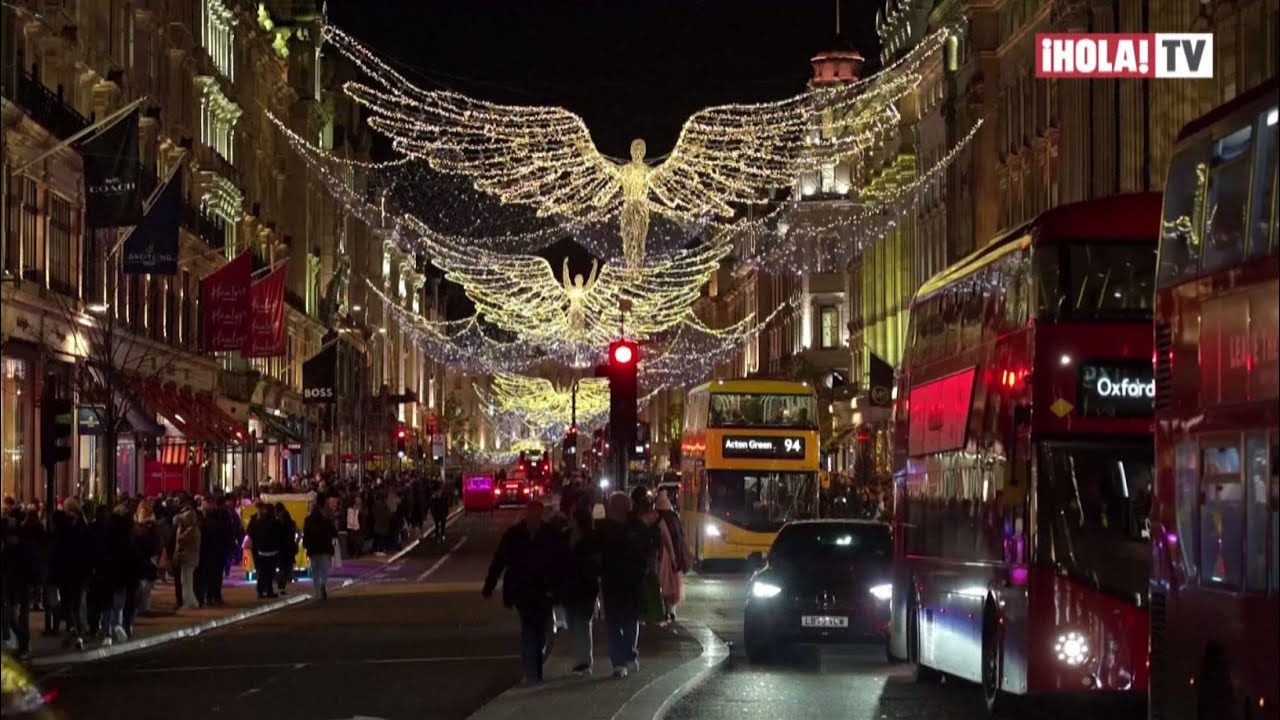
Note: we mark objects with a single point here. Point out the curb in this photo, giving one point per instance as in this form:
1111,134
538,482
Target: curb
453,515
656,699
101,653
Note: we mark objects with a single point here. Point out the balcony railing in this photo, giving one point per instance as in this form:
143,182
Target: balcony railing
47,107
208,227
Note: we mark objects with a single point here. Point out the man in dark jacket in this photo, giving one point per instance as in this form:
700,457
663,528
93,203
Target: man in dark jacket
264,538
440,510
319,537
528,558
623,562
215,545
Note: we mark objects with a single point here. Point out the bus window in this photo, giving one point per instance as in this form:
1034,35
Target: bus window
1258,513
1229,176
1183,204
1187,492
1048,282
763,410
1221,514
1110,280
1262,225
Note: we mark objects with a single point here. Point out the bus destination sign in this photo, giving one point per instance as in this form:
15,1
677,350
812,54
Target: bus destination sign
763,446
1117,389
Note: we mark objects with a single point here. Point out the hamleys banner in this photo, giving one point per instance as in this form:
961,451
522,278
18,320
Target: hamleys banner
266,317
224,305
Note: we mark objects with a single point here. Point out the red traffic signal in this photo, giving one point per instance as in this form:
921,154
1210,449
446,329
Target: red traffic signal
623,352
400,435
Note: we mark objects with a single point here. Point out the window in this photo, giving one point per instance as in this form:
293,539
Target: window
763,410
1183,207
32,234
1097,501
762,501
1257,513
1186,476
61,267
1225,219
1221,514
1262,213
1110,280
829,327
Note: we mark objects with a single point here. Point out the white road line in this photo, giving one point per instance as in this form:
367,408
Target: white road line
430,531
301,666
438,563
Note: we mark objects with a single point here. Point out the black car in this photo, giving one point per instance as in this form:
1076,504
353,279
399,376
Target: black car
517,491
824,581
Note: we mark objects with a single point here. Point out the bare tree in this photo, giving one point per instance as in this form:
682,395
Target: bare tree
118,359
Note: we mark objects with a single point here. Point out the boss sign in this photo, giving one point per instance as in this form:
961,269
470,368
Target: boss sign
1120,55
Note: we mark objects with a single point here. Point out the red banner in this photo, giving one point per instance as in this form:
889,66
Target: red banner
224,306
266,318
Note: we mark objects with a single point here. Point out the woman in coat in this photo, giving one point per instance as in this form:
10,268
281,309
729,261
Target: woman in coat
673,555
581,586
186,555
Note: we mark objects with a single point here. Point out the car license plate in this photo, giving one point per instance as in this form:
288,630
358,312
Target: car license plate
824,621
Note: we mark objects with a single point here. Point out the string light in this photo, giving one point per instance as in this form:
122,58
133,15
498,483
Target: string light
543,157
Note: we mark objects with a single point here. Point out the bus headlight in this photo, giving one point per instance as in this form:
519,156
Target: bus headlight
762,589
881,592
711,531
1071,648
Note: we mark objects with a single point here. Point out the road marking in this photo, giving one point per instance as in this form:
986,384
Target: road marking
458,658
299,666
427,573
249,692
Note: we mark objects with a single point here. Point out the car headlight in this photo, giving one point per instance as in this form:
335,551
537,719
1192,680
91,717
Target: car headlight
881,592
762,589
1071,648
711,531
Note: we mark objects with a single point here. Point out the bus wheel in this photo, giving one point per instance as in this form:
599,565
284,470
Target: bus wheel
999,703
1214,697
920,673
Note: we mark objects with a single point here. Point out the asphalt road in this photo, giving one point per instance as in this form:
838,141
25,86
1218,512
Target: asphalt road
851,683
414,640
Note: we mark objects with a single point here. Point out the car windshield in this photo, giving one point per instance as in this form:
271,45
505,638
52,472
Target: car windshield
763,410
832,541
1097,502
761,501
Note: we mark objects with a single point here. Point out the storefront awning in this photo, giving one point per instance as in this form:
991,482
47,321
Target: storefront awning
275,428
841,438
196,417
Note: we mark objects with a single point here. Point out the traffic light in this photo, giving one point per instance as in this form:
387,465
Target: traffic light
55,426
402,437
621,367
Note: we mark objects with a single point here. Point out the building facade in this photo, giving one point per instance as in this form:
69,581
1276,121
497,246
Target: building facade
207,72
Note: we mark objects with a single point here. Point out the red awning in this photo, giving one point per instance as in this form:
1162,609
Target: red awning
196,416
222,421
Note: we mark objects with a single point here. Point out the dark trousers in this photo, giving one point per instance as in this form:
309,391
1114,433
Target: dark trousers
130,605
442,524
284,570
18,619
209,581
71,607
534,623
265,567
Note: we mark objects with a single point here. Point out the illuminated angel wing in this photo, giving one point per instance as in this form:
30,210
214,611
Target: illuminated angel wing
542,157
519,293
659,295
730,153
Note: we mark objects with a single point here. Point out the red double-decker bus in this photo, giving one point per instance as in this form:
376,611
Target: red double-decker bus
1216,527
1023,460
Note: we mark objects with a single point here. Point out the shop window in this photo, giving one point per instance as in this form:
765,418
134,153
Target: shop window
61,246
1221,514
14,404
829,327
1257,514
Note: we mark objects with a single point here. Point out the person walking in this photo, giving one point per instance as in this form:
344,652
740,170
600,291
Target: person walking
581,587
215,545
528,557
674,558
288,548
264,543
440,511
112,572
147,548
186,557
319,538
70,563
355,536
623,563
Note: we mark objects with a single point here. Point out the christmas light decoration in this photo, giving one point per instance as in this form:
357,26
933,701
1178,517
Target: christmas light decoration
544,157
541,403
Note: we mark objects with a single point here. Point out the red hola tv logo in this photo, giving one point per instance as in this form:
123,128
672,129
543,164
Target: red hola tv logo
1120,55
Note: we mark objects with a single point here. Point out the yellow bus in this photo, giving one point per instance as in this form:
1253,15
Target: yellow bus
749,463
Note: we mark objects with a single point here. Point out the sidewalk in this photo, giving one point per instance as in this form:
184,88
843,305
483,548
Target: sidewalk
164,622
673,661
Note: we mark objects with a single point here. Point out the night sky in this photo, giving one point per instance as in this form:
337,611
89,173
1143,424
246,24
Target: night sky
631,68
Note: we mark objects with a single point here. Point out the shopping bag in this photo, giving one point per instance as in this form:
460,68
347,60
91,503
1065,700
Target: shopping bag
652,608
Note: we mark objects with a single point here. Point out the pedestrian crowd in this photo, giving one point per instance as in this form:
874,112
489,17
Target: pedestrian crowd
91,568
621,558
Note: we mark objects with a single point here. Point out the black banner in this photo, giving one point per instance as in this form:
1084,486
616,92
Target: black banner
775,447
880,382
112,187
1117,389
319,377
152,247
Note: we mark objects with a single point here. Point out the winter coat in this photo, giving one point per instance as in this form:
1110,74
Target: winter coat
113,568
71,557
318,534
670,576
147,546
264,535
186,544
528,564
580,581
215,538
671,521
623,562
